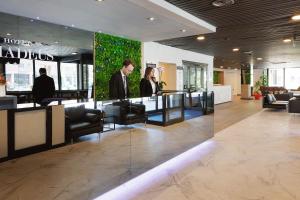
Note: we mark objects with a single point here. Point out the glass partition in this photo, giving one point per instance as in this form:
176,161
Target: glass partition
110,158
49,46
166,109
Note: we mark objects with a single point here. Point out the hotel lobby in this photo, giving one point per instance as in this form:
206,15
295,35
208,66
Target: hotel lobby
154,99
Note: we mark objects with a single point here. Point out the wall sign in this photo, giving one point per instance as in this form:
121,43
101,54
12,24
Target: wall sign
13,48
151,65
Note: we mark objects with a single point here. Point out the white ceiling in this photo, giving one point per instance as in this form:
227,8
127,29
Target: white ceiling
127,18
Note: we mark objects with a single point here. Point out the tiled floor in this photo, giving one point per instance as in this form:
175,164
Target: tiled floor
257,158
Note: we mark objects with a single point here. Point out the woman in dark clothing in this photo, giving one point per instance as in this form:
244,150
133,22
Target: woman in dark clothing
148,85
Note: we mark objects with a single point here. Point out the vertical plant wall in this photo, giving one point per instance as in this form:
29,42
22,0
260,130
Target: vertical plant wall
245,74
110,52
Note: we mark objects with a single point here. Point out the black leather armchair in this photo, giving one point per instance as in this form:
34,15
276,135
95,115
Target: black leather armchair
82,121
294,105
126,113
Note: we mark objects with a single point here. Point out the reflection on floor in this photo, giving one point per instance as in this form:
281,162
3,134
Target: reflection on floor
188,114
256,158
87,169
227,114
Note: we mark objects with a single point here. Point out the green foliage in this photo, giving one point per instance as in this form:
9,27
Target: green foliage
216,77
263,81
110,53
161,84
246,76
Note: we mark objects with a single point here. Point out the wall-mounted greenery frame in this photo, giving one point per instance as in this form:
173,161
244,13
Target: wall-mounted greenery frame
110,52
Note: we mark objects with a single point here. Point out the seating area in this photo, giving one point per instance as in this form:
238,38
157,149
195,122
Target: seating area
275,100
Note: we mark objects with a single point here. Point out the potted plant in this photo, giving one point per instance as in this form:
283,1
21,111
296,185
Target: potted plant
256,89
161,84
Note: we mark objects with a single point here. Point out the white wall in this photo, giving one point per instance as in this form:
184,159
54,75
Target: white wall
257,73
154,53
233,78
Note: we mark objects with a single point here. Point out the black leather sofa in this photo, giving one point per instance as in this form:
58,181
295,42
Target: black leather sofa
284,96
81,121
126,113
269,102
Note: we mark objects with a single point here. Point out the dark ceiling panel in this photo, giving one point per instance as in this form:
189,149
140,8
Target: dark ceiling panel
257,25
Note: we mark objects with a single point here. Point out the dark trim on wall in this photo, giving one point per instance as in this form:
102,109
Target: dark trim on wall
49,126
59,76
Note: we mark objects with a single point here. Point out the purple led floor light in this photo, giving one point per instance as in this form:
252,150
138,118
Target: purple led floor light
140,183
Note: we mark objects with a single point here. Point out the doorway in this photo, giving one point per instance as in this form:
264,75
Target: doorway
169,75
195,75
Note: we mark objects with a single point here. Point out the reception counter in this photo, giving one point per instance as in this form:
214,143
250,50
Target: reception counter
223,93
29,129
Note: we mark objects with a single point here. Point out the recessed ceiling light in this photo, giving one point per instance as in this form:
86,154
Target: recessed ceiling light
74,53
296,18
221,3
8,34
235,49
151,18
99,0
38,18
200,38
287,40
183,30
259,58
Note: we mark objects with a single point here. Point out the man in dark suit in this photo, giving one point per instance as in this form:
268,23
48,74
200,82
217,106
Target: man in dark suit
43,88
118,83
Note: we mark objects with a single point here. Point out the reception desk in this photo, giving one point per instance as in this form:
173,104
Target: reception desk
223,93
29,129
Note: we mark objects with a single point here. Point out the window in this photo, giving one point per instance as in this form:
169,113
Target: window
90,76
68,76
276,77
19,76
292,78
51,68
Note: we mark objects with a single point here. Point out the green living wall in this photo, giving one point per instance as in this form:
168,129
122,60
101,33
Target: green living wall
110,52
